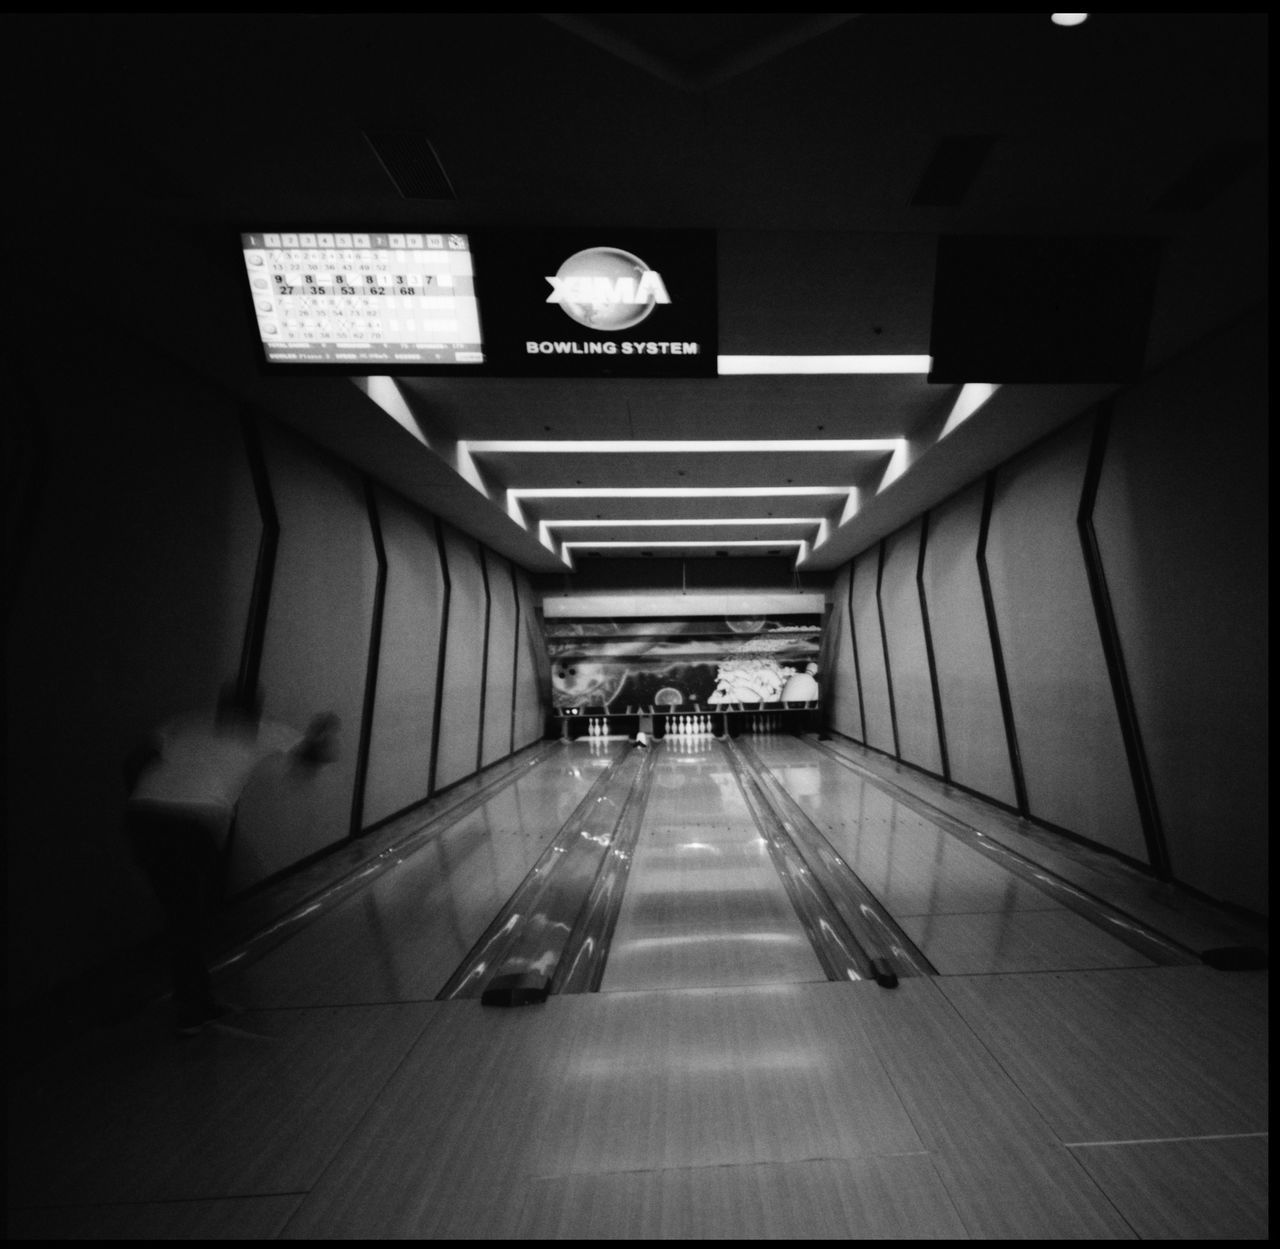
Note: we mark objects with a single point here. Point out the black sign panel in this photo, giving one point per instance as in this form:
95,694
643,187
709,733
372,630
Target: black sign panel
598,303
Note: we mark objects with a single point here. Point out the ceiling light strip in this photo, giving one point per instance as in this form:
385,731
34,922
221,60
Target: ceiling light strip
672,492
796,542
798,365
677,446
688,523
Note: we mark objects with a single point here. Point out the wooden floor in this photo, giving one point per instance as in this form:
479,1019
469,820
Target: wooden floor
1049,1083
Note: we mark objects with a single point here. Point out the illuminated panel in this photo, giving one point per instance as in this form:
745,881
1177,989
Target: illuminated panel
802,547
676,446
741,365
670,492
372,301
690,523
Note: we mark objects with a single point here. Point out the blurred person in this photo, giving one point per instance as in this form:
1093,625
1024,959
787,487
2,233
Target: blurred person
185,782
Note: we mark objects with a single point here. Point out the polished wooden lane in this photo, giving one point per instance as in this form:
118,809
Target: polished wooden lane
965,912
1094,1104
1197,1189
1185,1048
402,937
703,905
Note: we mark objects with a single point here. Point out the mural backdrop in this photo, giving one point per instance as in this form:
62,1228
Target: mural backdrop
634,664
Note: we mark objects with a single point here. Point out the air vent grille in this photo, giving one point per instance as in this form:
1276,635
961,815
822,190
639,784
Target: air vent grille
411,163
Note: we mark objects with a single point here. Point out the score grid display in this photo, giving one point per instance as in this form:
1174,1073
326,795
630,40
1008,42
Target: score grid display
381,299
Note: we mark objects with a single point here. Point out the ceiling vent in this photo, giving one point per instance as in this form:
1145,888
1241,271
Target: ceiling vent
1210,174
411,163
951,170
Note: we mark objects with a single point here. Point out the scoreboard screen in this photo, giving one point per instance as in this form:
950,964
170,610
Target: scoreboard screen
372,302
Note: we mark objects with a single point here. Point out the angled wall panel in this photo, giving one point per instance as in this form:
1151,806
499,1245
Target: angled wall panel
315,655
844,714
464,671
977,748
1073,755
908,656
533,670
500,684
1180,514
870,643
408,681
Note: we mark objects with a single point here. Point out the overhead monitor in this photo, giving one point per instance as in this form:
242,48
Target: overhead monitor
364,302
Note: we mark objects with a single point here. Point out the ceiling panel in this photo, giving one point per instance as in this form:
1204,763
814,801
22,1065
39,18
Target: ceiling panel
799,139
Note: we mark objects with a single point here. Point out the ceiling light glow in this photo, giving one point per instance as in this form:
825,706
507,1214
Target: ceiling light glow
796,365
1068,19
671,492
796,542
679,446
689,523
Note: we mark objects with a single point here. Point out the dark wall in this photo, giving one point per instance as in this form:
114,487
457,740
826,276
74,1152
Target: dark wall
1097,617
140,546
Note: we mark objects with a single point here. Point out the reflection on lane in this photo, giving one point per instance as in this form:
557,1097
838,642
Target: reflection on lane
704,906
400,938
969,911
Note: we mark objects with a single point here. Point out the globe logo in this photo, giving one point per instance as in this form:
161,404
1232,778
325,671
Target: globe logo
605,288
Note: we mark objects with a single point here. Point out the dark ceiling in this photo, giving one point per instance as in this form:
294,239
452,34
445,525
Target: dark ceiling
828,151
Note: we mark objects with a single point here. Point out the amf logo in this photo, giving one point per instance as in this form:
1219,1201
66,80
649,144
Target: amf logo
605,288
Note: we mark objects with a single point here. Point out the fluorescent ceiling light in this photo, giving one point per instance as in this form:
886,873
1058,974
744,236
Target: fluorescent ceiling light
671,492
726,365
1068,19
699,542
699,522
677,446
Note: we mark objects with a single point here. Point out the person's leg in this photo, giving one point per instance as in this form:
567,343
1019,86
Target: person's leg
180,859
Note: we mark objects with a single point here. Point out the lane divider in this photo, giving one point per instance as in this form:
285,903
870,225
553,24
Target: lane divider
581,965
514,961
1147,941
335,891
852,936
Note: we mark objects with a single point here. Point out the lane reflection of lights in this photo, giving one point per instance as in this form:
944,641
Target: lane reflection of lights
716,938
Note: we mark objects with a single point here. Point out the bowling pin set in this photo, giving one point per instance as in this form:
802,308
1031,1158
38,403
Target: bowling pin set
694,726
688,726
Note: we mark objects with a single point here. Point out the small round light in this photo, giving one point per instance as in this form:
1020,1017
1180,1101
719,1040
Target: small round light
1068,19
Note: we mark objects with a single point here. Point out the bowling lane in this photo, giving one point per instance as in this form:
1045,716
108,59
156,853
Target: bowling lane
966,913
400,938
704,906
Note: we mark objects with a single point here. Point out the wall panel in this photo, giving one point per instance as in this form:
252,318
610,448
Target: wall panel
464,670
844,714
908,656
533,673
315,655
875,683
1073,755
977,746
400,741
1178,517
500,684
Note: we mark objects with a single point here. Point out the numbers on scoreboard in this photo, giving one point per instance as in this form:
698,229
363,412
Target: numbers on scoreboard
390,292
